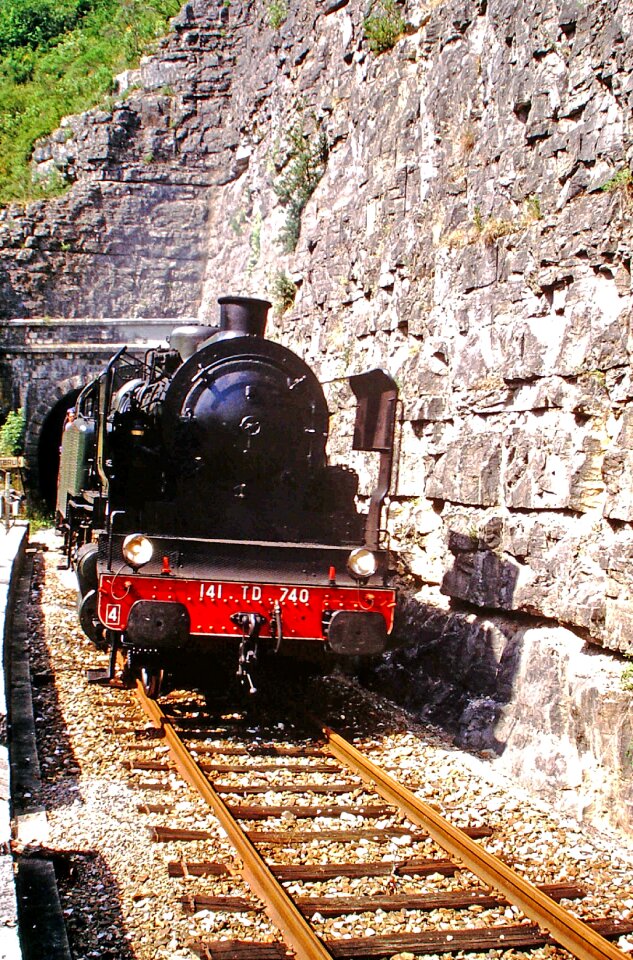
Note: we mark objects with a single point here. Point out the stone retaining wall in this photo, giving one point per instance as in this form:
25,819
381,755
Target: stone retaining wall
461,206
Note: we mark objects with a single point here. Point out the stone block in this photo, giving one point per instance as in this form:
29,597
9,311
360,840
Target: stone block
618,478
618,633
543,460
469,472
411,466
480,576
547,710
434,408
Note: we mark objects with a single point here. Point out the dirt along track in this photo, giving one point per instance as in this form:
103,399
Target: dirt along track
102,764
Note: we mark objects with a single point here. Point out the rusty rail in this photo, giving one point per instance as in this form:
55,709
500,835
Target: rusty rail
567,930
279,907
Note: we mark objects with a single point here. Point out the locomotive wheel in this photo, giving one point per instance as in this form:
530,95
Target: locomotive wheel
90,623
152,679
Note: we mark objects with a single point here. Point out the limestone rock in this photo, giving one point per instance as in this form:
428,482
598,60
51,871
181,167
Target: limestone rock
470,231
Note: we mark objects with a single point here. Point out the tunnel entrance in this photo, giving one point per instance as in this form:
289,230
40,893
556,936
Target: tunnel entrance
48,449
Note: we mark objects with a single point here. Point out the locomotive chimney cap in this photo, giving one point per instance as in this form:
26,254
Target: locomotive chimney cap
244,316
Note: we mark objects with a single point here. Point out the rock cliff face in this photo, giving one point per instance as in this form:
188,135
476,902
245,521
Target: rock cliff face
457,210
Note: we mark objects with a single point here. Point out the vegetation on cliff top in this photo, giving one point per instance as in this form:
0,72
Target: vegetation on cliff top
58,57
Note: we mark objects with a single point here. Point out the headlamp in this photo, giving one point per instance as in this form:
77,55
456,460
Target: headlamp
362,563
137,550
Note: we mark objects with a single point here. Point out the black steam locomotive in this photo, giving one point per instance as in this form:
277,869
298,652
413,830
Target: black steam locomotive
200,512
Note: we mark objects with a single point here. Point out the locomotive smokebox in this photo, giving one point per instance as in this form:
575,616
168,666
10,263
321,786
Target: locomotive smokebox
243,316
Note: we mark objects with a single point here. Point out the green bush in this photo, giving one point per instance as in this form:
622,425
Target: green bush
622,180
306,166
283,291
33,23
277,12
55,74
384,26
12,434
39,515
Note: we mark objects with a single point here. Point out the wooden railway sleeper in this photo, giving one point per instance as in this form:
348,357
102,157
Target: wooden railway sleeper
584,940
278,904
567,930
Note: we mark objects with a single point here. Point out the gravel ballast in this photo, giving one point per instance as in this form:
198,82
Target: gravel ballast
117,898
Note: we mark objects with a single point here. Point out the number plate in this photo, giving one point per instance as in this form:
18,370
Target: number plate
253,593
211,604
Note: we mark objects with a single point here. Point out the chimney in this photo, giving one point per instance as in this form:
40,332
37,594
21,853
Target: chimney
243,316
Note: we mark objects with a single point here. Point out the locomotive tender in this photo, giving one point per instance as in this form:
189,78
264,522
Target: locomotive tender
200,511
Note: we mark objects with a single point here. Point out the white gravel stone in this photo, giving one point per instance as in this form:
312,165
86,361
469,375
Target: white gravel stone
118,899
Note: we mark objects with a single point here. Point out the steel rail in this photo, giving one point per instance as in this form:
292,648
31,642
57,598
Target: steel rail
279,906
567,930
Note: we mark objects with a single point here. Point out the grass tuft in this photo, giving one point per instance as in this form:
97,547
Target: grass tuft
384,26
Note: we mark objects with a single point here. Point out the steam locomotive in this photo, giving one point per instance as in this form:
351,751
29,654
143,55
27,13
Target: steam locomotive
200,512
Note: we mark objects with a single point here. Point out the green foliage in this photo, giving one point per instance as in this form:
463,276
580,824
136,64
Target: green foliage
306,166
384,26
283,291
52,185
627,677
490,229
532,209
35,23
39,516
58,57
237,221
255,243
12,434
277,12
622,180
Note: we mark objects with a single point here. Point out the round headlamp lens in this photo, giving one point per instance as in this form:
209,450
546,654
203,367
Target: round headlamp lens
137,549
362,563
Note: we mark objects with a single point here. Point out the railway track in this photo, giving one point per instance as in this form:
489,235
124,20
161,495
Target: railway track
327,855
343,771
